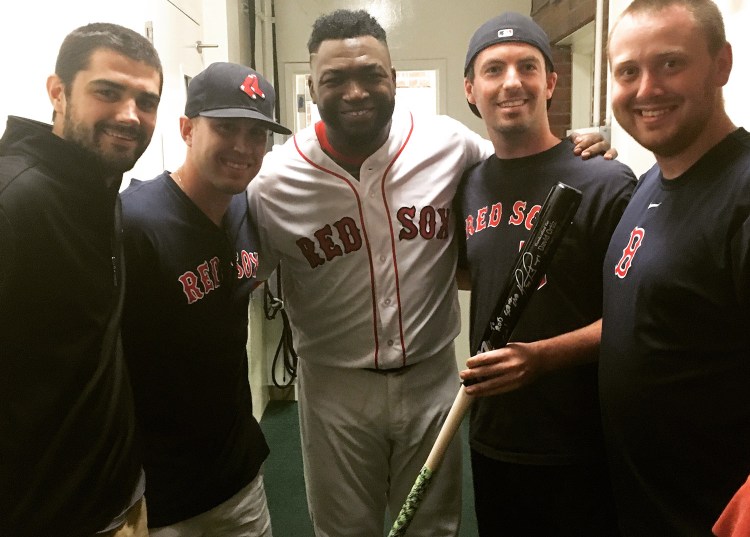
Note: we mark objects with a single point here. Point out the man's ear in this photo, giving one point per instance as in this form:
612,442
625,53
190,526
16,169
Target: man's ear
56,94
187,125
311,88
469,91
724,61
551,83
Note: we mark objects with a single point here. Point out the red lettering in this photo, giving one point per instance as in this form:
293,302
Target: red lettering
249,263
445,214
496,213
307,247
349,234
517,218
330,248
481,219
469,226
189,283
203,272
406,215
215,270
530,218
427,222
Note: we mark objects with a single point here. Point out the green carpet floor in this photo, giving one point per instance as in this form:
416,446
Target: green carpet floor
285,485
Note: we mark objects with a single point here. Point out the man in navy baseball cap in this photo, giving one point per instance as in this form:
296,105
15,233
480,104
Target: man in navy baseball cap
231,90
192,262
537,450
507,28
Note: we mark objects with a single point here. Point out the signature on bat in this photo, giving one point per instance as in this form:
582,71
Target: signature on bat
525,273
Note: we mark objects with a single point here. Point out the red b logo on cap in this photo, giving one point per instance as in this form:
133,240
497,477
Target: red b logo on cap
252,88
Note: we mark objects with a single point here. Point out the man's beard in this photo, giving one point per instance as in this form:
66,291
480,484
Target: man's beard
355,135
89,139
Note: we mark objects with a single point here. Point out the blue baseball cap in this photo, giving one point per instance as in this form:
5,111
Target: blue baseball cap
231,90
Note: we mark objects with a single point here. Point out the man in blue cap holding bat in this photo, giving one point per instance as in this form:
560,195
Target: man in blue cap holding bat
535,434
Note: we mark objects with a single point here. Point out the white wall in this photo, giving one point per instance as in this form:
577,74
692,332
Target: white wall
30,35
736,20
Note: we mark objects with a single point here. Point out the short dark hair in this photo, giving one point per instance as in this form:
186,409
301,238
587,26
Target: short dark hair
705,12
344,24
78,46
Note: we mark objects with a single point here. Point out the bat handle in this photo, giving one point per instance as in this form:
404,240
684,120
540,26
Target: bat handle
452,422
446,434
486,346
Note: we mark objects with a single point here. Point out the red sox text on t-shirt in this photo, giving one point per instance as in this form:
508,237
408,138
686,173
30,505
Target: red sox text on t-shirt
206,277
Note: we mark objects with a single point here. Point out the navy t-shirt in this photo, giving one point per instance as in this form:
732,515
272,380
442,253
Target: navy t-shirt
185,335
675,356
554,420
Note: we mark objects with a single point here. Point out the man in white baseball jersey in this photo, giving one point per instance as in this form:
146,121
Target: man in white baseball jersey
358,210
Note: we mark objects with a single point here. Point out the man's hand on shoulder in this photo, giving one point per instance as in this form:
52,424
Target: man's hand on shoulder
592,144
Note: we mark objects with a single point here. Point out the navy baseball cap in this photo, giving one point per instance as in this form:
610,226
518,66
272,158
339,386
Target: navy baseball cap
231,90
508,27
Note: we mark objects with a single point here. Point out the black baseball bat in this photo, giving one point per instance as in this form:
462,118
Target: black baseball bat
553,220
532,261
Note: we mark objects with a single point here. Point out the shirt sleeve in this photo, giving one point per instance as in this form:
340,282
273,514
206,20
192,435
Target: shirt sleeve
615,193
476,148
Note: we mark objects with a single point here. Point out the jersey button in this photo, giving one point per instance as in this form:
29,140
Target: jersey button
390,343
387,301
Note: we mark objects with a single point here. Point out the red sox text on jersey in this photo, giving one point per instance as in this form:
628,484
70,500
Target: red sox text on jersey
343,236
206,277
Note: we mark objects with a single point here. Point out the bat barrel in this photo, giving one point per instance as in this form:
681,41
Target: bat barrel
551,224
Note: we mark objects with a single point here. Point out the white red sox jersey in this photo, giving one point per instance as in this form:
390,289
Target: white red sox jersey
368,265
